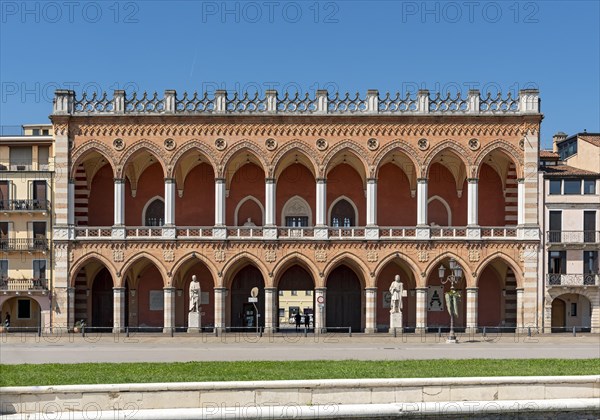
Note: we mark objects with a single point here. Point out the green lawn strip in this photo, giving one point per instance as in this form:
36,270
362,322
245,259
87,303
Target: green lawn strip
111,373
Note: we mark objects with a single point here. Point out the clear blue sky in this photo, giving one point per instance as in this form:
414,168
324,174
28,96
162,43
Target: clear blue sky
345,45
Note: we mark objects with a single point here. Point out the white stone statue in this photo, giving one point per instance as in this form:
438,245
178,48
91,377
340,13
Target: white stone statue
194,294
396,295
249,222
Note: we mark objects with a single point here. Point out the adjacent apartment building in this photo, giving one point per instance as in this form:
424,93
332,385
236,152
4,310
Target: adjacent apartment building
26,197
330,194
570,216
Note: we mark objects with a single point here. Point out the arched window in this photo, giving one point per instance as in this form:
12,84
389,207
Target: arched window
154,214
296,213
343,214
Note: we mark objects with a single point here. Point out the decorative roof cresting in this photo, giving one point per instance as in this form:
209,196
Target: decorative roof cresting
66,102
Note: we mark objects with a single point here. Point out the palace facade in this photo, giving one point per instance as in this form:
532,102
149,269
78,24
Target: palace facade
570,216
26,187
330,194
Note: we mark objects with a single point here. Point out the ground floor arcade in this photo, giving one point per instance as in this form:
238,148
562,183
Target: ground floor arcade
145,286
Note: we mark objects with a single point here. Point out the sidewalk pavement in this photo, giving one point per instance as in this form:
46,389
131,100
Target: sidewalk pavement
73,348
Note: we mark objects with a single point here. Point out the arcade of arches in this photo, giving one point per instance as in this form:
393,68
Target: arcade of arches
144,298
144,196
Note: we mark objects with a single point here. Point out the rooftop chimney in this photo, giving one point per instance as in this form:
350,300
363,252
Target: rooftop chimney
557,138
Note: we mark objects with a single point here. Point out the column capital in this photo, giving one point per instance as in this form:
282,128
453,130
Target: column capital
169,180
472,180
270,180
321,180
371,289
520,180
472,289
169,289
71,180
422,180
371,180
220,180
220,289
118,289
320,289
119,180
421,289
270,289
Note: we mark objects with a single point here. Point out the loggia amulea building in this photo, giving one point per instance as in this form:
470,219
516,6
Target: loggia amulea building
326,196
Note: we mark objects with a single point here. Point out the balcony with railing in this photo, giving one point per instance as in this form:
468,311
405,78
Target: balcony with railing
26,166
23,284
24,244
569,237
30,205
406,233
589,279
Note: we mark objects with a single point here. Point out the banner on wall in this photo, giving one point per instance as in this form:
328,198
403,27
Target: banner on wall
435,298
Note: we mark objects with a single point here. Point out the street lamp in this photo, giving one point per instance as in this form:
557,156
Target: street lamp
451,297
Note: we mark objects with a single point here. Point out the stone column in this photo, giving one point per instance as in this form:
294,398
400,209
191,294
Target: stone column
422,202
220,231
118,230
270,202
520,202
169,202
220,294
371,202
321,231
169,309
472,302
119,219
270,309
270,229
472,202
520,319
371,308
422,230
371,230
118,309
321,212
220,202
320,310
421,303
473,230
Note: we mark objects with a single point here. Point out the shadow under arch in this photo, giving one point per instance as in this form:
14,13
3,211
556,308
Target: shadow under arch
87,259
296,258
241,260
517,271
140,257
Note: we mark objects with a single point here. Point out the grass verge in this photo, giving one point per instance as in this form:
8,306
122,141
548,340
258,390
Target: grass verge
99,373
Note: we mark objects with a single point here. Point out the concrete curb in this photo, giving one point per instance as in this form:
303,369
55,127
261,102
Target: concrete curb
448,409
295,395
311,383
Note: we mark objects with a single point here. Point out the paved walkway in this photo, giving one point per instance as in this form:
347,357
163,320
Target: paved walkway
17,348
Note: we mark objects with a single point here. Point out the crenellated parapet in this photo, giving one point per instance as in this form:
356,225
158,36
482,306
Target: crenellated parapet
322,103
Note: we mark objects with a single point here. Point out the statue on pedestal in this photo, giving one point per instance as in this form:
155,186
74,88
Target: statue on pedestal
396,293
194,294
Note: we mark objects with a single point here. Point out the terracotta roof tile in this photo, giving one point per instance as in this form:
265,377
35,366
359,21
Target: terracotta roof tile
565,171
591,138
548,154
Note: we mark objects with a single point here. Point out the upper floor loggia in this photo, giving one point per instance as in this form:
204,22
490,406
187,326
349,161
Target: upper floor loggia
293,197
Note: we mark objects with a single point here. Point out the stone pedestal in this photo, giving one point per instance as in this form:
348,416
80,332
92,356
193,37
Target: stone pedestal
396,321
193,322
